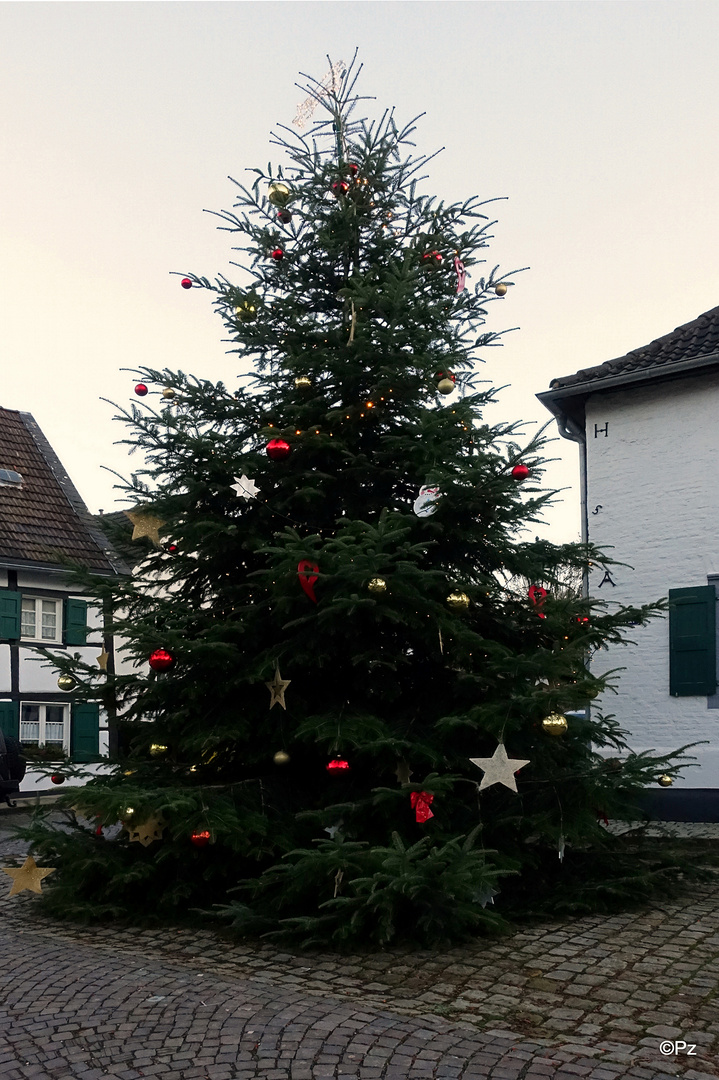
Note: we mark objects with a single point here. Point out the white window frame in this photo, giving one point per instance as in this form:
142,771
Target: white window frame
57,640
42,706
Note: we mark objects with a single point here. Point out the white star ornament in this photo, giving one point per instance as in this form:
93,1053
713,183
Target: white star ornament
499,769
245,488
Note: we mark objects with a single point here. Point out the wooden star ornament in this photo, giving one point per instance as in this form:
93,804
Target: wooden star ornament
403,772
277,689
145,524
28,876
147,831
499,769
102,660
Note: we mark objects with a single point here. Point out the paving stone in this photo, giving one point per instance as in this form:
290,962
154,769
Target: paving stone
597,995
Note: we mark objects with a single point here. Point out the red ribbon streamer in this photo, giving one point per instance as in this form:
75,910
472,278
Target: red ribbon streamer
420,804
461,274
308,573
538,595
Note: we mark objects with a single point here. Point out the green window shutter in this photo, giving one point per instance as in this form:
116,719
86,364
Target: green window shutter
692,641
9,615
85,731
10,718
75,622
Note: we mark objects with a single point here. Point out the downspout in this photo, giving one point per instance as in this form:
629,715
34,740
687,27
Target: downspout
570,429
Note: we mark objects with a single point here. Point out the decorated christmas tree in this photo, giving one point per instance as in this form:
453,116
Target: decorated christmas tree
364,714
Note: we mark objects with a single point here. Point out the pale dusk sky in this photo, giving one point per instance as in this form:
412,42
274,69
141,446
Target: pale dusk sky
121,122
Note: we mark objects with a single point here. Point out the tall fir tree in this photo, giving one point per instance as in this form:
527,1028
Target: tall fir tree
342,664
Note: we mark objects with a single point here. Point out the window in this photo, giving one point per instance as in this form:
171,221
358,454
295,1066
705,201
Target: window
44,725
40,620
692,641
10,478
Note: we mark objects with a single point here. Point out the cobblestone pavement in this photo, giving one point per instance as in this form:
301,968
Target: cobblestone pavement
592,998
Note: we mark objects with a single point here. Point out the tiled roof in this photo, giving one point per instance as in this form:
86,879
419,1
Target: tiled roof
695,339
44,520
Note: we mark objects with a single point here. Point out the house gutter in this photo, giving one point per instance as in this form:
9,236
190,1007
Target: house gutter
46,568
630,378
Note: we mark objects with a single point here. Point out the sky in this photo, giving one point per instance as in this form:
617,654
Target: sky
594,123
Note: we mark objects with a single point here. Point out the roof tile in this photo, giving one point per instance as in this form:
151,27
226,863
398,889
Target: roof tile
695,339
45,520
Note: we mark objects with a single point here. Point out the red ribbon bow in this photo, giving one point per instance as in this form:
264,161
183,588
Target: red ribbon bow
308,573
420,804
538,595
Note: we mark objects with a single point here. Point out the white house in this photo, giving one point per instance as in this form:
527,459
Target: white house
43,521
647,428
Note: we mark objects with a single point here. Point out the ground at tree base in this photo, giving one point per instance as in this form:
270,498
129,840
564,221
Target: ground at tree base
592,997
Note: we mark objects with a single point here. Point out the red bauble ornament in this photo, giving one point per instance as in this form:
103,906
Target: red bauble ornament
200,837
57,778
172,549
352,168
98,831
141,389
340,187
432,258
520,472
278,449
277,254
161,660
583,619
284,216
337,764
186,283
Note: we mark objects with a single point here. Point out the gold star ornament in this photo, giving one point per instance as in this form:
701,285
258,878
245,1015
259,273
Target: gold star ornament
277,689
147,831
499,769
145,524
102,660
27,877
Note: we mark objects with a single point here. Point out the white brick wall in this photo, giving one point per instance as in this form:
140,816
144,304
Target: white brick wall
656,477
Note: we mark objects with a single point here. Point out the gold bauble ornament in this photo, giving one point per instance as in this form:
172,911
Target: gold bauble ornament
458,601
377,585
168,393
501,289
556,724
157,749
281,758
665,781
445,386
303,382
278,193
66,683
246,311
